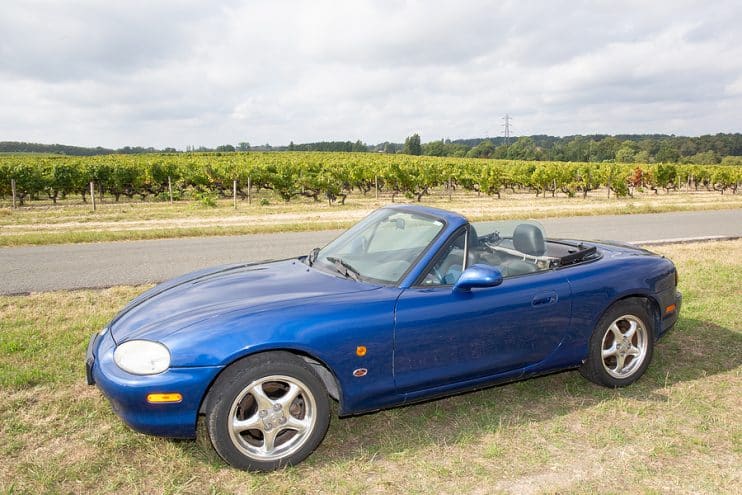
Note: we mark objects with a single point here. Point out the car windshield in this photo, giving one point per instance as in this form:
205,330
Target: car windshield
380,248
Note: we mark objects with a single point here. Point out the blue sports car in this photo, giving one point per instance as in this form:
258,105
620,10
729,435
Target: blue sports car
410,304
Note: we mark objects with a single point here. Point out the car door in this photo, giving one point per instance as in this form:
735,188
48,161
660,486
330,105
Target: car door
445,336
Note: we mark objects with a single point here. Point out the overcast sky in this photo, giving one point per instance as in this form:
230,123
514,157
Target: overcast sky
177,73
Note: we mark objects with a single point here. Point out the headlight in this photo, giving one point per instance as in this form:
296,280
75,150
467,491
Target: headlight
142,357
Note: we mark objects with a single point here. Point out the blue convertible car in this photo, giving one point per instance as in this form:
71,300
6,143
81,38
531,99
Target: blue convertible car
410,304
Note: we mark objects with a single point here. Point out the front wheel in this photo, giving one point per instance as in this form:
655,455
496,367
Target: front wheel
621,346
267,411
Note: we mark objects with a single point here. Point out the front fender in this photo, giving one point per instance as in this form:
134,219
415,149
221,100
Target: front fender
328,331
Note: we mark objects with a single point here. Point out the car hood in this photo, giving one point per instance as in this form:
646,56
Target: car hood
181,302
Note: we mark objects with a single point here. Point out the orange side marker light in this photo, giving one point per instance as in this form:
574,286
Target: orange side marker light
361,350
670,309
164,398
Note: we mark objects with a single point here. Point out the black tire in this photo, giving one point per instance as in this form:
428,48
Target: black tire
616,356
267,411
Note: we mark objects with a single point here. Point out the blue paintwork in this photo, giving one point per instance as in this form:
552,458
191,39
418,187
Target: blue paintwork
421,342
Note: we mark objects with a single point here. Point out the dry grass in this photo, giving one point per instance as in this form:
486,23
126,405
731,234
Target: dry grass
678,430
136,220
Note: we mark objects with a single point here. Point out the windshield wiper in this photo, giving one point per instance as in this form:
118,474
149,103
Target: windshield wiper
312,256
344,268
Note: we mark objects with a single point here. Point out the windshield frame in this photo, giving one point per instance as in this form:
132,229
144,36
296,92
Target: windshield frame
323,265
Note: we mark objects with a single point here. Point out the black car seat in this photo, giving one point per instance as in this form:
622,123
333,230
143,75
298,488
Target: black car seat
528,239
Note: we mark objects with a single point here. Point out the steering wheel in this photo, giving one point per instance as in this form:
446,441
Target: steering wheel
434,277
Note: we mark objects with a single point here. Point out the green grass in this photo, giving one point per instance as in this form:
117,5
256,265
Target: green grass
77,237
677,430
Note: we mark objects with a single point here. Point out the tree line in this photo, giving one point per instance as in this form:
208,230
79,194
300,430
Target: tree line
629,148
719,148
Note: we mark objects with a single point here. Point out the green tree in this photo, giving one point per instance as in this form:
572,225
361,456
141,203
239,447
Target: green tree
435,148
524,149
667,153
412,145
626,153
485,149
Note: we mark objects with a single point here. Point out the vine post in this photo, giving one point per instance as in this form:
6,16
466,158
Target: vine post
12,187
92,193
249,184
376,186
234,193
170,189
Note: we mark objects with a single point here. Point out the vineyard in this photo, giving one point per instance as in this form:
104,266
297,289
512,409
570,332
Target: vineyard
333,177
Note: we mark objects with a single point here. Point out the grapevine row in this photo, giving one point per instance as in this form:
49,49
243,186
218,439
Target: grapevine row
333,176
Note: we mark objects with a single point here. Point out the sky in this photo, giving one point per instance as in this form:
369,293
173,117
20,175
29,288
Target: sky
205,73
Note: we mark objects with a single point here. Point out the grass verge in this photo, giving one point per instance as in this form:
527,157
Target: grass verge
73,223
677,430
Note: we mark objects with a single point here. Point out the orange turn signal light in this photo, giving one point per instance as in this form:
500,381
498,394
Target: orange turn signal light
361,350
164,398
670,309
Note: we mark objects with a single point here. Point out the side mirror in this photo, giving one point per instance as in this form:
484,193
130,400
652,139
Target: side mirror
478,276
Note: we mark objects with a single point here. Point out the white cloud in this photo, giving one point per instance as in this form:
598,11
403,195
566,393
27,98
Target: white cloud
175,73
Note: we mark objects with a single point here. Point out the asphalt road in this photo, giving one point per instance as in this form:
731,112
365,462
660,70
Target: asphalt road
76,266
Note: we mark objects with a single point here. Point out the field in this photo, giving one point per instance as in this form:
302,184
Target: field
678,430
241,193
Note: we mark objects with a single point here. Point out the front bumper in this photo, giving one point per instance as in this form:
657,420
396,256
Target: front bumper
127,393
669,319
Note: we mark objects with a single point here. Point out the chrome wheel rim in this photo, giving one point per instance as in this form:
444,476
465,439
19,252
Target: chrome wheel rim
272,417
624,346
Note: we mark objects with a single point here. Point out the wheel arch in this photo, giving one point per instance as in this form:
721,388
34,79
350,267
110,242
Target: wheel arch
323,371
649,301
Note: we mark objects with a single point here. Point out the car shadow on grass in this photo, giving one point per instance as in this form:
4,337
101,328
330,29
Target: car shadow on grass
695,349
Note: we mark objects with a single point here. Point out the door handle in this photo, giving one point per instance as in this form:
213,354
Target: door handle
545,298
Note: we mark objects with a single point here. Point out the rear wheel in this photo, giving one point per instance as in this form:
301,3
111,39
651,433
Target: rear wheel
621,346
267,411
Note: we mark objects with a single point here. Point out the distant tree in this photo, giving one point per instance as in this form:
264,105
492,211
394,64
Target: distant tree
626,153
578,149
435,148
485,149
243,146
225,147
523,149
643,157
731,160
605,149
412,145
391,148
667,153
705,158
359,146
